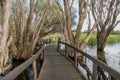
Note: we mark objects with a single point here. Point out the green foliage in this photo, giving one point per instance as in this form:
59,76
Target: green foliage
93,41
115,32
82,37
113,38
42,4
56,8
54,11
55,35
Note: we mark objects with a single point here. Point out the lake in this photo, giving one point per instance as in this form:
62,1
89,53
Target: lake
110,56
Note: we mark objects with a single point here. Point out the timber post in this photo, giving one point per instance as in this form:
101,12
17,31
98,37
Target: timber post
94,71
58,45
75,58
43,53
66,50
34,70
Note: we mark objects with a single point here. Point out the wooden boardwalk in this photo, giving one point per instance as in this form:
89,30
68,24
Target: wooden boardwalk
57,67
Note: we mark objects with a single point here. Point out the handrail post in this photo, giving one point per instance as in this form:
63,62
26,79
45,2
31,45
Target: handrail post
75,57
34,70
66,50
94,71
43,54
58,46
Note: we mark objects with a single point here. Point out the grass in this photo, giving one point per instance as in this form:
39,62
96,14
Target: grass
55,35
113,38
92,40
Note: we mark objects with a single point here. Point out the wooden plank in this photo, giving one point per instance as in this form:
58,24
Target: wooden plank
57,67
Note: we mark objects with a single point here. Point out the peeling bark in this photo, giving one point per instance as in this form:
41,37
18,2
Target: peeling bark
5,39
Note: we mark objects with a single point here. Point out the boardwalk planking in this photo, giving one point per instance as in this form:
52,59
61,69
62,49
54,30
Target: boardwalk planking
57,67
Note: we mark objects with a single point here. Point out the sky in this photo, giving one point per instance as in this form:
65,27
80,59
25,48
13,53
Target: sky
118,26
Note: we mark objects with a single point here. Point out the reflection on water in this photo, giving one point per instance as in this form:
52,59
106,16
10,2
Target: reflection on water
111,54
1,77
27,74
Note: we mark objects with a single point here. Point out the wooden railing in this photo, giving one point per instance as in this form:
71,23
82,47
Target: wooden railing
18,70
45,41
96,62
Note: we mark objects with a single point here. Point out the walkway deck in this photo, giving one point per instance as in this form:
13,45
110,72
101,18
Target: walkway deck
57,67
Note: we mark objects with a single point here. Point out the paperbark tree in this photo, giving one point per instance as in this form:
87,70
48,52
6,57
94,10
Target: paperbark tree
29,20
51,27
5,38
109,10
75,39
54,22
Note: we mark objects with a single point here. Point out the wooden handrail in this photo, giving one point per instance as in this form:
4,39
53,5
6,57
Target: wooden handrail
18,70
95,61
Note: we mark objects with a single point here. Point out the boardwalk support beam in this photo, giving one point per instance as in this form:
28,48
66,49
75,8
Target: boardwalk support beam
34,69
76,60
94,71
66,50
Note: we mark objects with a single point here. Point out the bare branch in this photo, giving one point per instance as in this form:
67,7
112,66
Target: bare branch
116,24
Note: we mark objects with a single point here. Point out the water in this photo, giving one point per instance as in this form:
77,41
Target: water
27,74
111,54
1,77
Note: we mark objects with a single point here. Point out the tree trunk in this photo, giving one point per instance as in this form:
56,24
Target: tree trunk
27,27
101,40
5,39
68,32
85,41
67,29
108,20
